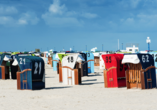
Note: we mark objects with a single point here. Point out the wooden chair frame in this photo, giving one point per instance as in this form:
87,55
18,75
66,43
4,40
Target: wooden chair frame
18,79
3,72
76,75
105,76
135,78
149,80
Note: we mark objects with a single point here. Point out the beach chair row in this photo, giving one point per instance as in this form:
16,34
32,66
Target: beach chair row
121,70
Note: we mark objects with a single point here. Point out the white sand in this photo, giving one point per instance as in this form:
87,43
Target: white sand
91,95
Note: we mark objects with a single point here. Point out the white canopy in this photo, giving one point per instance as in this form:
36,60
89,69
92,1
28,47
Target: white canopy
130,59
71,60
7,58
15,63
80,59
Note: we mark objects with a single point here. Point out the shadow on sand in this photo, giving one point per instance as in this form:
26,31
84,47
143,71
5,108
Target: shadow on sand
94,75
58,87
89,80
91,83
49,77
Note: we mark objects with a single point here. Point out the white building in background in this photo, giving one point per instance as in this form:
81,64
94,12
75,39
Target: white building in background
94,49
132,49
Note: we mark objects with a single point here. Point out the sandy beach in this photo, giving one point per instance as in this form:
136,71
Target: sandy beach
91,95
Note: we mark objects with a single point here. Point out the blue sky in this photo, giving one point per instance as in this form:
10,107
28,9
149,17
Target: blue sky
49,24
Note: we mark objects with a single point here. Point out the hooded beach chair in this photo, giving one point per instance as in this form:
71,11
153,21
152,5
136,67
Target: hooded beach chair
114,74
5,65
71,69
141,73
90,61
32,72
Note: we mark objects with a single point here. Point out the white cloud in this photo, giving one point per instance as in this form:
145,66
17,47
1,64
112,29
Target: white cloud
22,21
127,22
28,17
121,20
8,17
89,15
8,10
62,22
148,17
59,15
6,20
140,22
98,2
56,8
129,3
25,19
134,3
71,13
130,20
148,20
